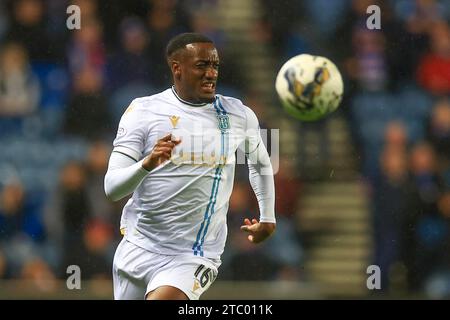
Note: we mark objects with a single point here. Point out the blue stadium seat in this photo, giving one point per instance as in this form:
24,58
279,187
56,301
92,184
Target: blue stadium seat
373,132
10,126
122,98
416,130
38,162
369,106
54,82
415,104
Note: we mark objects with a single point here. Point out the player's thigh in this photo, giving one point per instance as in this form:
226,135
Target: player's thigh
129,275
190,275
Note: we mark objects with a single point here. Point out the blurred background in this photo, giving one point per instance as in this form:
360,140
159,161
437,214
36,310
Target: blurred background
369,185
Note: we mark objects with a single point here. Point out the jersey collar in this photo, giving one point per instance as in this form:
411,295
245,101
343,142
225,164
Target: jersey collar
187,102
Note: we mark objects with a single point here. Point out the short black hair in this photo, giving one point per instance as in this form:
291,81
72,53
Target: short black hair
183,39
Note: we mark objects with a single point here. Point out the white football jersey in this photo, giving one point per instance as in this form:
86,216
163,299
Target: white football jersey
180,207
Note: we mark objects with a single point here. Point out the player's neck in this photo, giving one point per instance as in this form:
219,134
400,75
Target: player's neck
178,94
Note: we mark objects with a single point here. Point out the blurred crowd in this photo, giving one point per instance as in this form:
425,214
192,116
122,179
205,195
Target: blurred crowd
62,93
397,103
399,91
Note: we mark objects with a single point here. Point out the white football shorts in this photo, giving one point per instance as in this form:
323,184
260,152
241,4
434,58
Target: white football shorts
136,272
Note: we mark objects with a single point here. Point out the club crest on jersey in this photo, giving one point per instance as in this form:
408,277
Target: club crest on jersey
224,122
174,121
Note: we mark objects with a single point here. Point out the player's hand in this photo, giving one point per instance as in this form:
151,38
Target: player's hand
162,151
258,231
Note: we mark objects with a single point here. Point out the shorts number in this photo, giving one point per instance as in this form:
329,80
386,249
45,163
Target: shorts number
206,276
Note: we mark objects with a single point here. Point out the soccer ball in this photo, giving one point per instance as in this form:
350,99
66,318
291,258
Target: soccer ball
309,87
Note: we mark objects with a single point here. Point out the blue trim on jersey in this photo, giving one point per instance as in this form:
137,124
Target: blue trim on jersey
221,111
220,106
198,245
216,107
212,212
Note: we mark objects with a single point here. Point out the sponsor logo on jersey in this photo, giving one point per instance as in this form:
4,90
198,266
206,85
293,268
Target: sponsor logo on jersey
121,132
196,285
174,121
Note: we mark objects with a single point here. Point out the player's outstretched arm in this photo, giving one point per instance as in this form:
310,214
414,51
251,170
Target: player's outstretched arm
262,182
258,231
124,174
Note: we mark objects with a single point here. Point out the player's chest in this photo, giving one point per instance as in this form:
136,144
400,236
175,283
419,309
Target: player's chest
189,122
197,127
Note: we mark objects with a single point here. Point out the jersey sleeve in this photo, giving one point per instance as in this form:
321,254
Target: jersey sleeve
252,134
260,169
132,132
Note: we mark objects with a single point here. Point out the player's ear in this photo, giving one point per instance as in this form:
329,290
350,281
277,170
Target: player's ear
176,68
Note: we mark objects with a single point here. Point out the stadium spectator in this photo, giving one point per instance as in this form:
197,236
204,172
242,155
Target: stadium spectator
86,48
131,64
426,232
12,211
165,19
17,239
102,209
3,265
395,136
393,203
39,275
29,25
130,72
19,86
87,106
96,251
433,72
439,130
67,215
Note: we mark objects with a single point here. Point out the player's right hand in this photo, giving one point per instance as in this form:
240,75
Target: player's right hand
162,151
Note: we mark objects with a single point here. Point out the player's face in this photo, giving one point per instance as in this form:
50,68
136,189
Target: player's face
199,72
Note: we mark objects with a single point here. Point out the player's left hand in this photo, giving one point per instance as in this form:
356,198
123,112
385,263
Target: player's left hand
258,231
